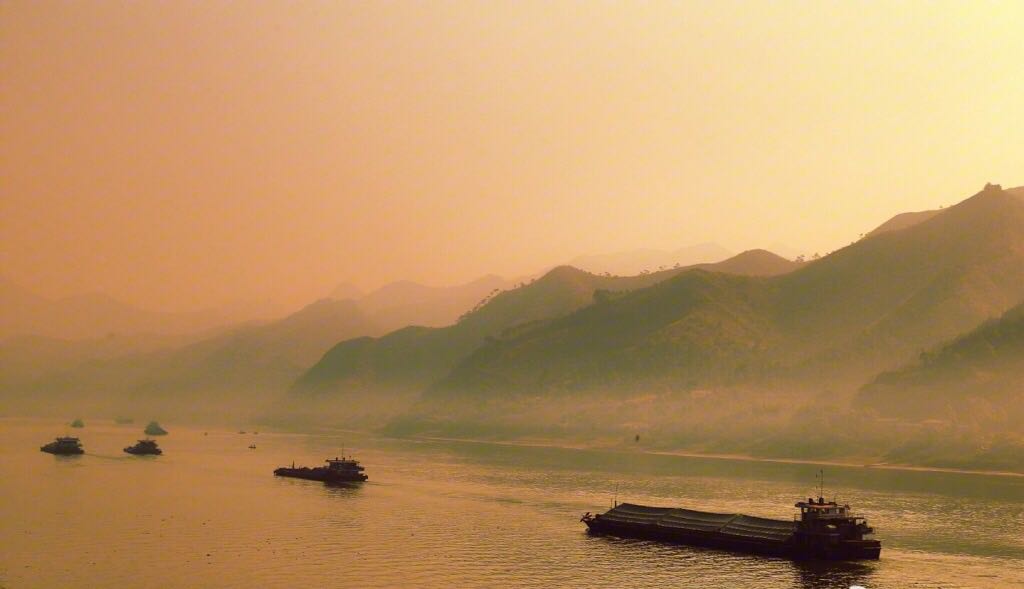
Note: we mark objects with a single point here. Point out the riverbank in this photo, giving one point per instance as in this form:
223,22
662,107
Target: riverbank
711,456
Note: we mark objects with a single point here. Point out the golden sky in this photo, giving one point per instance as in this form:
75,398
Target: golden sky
184,154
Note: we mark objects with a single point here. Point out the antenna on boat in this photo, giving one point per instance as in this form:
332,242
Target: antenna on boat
616,495
821,488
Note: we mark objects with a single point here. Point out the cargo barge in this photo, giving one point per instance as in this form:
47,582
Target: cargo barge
823,530
338,470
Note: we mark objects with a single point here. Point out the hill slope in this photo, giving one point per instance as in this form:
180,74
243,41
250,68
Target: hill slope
848,315
240,364
403,303
412,358
982,370
637,261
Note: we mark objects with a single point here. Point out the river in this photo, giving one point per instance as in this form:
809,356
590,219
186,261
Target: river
209,513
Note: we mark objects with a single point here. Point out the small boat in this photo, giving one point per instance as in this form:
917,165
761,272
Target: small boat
64,446
338,470
154,429
78,423
144,447
252,446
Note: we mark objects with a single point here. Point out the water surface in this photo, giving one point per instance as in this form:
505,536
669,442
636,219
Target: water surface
453,514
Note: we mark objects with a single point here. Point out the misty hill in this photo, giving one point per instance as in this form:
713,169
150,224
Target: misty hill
405,303
411,358
23,312
982,370
756,262
345,291
904,220
264,357
239,363
848,315
636,261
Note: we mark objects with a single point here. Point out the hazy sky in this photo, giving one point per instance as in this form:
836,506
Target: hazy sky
182,154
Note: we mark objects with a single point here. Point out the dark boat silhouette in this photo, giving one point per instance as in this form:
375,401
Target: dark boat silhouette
144,447
824,530
65,446
338,470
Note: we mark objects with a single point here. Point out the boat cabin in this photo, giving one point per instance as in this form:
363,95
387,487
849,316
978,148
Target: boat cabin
821,509
343,464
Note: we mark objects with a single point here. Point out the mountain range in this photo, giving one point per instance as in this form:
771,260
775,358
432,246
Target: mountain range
414,357
920,323
23,312
840,319
633,262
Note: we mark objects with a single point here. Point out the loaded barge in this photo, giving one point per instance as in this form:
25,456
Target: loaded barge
823,530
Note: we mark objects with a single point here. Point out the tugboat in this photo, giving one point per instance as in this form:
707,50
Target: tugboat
144,447
64,446
824,530
338,470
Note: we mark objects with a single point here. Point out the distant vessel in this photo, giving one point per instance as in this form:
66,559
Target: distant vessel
338,470
252,446
824,530
144,447
77,423
154,429
64,445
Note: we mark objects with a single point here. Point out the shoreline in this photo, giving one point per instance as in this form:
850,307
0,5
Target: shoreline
717,456
581,446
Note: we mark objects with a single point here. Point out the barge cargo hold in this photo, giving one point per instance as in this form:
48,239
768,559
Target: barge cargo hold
824,530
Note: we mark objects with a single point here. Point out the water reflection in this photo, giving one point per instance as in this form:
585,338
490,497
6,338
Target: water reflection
814,575
342,489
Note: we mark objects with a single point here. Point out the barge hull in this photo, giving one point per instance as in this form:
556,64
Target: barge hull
728,531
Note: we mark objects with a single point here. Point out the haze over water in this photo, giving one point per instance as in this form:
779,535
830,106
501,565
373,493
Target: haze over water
453,514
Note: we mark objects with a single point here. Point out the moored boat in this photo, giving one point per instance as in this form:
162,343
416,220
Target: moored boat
65,446
823,530
154,429
338,470
144,447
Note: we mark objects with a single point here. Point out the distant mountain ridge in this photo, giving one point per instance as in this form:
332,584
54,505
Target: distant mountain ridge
23,312
903,220
245,363
633,262
413,357
861,309
405,302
